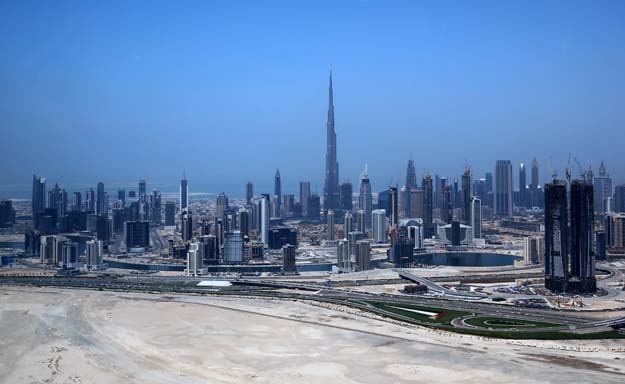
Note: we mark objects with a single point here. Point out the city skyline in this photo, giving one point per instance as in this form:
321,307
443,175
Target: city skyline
171,188
396,85
355,191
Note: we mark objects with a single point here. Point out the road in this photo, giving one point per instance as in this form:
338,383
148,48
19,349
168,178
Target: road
319,293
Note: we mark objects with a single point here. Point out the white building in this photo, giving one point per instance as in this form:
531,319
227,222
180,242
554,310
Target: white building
330,225
94,259
533,250
379,225
264,219
445,234
195,263
415,232
343,256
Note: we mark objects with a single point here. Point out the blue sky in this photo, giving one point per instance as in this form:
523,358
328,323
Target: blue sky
229,91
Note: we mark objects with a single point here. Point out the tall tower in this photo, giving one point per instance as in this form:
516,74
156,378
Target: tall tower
330,225
304,195
331,187
249,193
411,175
393,207
503,188
523,185
101,208
428,206
365,200
277,191
411,183
569,228
184,193
142,187
467,195
39,195
535,197
602,188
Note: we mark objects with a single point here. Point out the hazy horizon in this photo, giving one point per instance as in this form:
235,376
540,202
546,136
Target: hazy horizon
228,92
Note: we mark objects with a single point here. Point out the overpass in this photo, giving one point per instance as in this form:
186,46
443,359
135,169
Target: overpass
432,286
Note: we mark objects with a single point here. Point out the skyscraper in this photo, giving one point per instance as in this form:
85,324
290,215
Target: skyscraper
437,189
142,187
57,199
455,196
342,255
330,225
195,259
277,192
233,248
363,255
503,188
77,202
411,183
476,217
488,180
581,234
603,188
393,207
331,186
619,198
447,211
467,195
221,205
428,207
264,219
288,259
249,193
347,223
416,203
365,200
121,196
39,195
345,194
314,207
411,175
569,254
94,252
186,222
170,213
534,191
523,195
137,234
156,214
304,195
184,193
101,208
90,199
379,225
361,221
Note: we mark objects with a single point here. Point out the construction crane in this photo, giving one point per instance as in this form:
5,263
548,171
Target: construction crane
568,170
554,172
582,173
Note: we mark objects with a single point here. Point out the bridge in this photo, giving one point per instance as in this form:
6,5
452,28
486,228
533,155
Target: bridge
432,286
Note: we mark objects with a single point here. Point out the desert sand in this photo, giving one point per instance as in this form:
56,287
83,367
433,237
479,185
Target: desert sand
78,336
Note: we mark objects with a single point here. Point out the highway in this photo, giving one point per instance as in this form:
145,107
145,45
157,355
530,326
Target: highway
318,292
432,286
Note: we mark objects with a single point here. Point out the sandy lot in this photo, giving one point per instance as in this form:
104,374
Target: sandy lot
72,336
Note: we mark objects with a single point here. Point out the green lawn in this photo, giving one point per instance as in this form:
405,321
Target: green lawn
500,322
545,335
442,316
525,332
